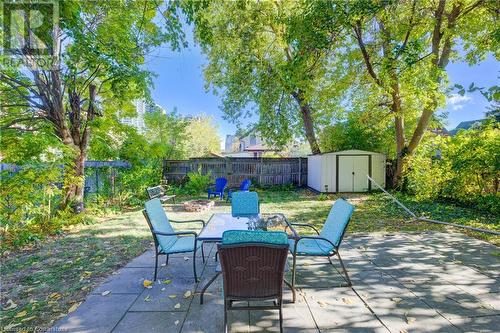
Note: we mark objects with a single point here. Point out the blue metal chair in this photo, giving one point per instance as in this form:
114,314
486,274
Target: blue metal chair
245,204
327,242
166,239
218,189
244,187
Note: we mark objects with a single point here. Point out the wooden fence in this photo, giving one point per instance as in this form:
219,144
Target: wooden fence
262,171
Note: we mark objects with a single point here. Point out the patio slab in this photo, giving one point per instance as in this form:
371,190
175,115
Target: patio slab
401,283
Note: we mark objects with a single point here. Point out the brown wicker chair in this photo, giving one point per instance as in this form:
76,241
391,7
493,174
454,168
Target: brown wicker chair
254,271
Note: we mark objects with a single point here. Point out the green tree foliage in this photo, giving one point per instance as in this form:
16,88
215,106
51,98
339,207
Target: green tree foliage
166,134
464,168
268,57
403,49
101,47
359,130
202,137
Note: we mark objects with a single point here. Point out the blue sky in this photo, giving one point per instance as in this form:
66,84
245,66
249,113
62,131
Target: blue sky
179,83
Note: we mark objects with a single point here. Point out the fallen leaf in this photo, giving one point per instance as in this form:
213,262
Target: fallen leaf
396,299
177,306
11,326
187,294
21,314
176,322
409,319
74,307
163,289
147,299
9,305
163,265
55,295
186,258
104,293
167,281
322,304
148,284
347,300
172,296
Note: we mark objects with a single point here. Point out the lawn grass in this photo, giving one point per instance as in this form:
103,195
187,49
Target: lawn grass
50,279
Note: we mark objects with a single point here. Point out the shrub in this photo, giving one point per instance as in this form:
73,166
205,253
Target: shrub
467,172
197,182
29,208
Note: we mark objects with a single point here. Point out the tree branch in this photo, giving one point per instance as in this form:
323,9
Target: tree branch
366,56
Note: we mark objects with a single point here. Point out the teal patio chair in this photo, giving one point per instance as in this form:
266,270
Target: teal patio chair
327,242
245,204
167,240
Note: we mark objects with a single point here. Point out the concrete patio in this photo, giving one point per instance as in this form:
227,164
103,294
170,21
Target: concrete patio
431,282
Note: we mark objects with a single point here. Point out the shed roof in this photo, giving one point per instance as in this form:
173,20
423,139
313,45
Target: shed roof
348,152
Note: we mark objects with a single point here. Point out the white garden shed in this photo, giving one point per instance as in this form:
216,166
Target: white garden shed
345,171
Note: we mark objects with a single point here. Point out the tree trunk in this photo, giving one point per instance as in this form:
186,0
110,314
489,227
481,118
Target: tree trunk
74,183
306,112
400,151
399,128
77,136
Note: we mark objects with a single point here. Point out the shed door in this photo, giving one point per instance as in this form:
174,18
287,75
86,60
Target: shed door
352,173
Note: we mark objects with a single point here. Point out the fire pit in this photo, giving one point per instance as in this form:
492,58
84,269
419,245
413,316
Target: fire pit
198,205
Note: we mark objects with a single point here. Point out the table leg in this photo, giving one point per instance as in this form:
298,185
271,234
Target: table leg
208,285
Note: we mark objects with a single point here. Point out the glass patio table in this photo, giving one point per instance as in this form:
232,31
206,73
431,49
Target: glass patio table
220,222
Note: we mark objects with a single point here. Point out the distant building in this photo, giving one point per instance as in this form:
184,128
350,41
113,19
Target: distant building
440,131
141,108
465,125
249,144
138,120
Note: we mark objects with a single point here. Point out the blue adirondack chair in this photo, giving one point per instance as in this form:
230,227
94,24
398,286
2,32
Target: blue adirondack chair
245,204
327,242
244,187
166,239
218,189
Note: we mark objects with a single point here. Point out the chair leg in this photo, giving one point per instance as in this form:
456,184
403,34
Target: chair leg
225,316
208,285
166,261
281,316
156,264
294,269
202,253
349,283
292,289
194,263
216,255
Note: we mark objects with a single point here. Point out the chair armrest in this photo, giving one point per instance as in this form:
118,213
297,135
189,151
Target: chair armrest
306,225
188,221
175,233
315,237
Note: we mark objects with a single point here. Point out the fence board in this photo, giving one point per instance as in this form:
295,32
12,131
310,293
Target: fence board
262,171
